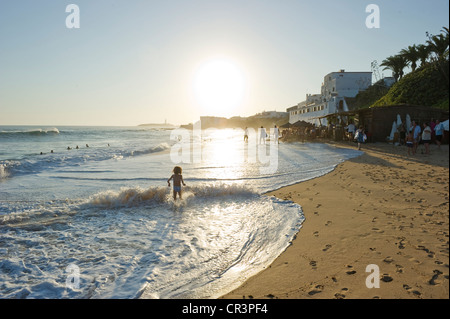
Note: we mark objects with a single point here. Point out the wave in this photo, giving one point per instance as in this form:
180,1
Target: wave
32,132
3,172
38,215
158,148
36,162
6,167
136,196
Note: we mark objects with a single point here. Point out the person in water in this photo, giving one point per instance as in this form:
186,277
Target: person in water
177,181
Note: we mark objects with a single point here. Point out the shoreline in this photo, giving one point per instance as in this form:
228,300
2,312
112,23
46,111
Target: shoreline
381,208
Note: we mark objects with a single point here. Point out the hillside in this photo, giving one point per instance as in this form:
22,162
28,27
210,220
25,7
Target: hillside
426,86
254,121
365,99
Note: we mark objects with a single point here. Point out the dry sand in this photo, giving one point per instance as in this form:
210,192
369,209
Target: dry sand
383,208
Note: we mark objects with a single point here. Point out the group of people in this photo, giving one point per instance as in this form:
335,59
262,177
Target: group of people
425,135
303,133
263,135
69,148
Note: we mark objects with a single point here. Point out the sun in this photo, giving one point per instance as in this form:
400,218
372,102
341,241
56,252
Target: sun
219,87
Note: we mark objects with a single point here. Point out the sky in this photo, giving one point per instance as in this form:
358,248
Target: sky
143,61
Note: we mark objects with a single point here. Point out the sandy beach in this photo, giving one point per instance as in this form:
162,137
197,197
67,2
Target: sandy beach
383,208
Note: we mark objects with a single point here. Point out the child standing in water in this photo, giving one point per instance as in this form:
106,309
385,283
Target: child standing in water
177,181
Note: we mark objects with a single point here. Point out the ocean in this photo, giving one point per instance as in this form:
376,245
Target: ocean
86,212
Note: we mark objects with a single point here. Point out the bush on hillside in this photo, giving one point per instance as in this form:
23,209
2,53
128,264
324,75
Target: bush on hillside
426,86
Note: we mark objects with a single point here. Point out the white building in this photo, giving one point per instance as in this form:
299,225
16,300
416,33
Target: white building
335,88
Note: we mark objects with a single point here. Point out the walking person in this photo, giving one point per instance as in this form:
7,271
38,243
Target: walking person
262,136
276,135
426,137
360,136
416,135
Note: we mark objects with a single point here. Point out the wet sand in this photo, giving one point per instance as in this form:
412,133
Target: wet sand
384,208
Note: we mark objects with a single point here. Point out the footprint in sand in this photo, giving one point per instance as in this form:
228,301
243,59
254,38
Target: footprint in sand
399,269
410,290
351,271
341,294
328,246
401,244
386,278
313,264
328,223
317,289
435,276
316,234
429,252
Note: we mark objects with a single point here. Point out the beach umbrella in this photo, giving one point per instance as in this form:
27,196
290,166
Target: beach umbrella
399,121
408,123
394,129
301,123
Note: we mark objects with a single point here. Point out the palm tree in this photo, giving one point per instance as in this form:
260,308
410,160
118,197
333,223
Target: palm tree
411,54
396,64
438,45
423,52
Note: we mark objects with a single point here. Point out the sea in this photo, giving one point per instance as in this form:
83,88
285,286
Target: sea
86,212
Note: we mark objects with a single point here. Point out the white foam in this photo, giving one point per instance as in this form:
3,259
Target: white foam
134,241
3,172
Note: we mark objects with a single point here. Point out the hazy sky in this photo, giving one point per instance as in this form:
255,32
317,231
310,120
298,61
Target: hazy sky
133,62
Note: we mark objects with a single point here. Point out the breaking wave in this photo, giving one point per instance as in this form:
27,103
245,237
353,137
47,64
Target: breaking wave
136,196
3,172
158,148
32,132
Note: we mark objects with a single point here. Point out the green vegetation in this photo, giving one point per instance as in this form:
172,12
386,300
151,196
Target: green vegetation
366,98
425,85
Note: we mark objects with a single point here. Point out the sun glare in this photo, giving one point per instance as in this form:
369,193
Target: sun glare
219,87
